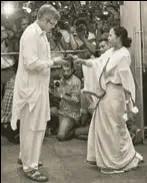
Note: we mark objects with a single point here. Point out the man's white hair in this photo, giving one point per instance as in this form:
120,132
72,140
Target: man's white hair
49,10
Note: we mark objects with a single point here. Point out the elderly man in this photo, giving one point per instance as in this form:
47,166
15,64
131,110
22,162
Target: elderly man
31,98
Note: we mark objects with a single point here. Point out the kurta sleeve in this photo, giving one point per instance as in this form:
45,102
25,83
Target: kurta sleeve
30,54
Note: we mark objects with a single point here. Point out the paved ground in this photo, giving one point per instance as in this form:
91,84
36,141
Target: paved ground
64,162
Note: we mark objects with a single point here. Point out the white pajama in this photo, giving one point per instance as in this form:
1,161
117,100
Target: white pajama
30,141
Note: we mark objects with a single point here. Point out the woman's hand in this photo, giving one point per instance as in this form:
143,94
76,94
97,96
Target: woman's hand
131,112
78,60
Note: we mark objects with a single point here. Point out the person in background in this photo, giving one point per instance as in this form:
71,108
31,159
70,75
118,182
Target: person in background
8,44
67,41
4,36
54,38
31,97
6,112
86,43
12,41
68,92
84,39
24,23
103,45
6,104
4,49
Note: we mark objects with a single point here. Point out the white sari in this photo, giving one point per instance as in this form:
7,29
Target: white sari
109,142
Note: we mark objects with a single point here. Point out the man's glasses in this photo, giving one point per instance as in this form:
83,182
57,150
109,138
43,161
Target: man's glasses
52,23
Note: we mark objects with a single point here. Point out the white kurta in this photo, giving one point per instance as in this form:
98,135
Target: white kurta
33,77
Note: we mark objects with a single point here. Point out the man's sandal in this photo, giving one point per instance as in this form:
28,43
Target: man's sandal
35,175
19,161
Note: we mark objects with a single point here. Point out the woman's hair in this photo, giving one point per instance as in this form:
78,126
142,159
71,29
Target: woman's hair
123,34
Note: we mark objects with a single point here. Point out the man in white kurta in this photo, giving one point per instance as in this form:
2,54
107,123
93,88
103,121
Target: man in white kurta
31,96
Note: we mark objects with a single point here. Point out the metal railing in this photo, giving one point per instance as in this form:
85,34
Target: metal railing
17,53
64,51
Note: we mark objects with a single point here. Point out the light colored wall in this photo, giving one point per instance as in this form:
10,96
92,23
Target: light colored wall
144,29
130,19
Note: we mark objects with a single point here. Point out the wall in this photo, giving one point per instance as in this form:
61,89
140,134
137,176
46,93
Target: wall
130,19
144,51
144,29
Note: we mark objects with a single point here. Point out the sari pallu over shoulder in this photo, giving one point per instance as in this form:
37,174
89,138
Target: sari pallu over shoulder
114,63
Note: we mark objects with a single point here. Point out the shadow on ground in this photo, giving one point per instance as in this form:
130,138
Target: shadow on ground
64,162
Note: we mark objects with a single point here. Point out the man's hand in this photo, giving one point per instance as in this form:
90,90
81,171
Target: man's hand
58,61
78,60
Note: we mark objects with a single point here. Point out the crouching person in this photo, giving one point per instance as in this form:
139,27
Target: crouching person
87,108
69,107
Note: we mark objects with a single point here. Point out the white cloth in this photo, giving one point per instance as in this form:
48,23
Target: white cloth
33,76
109,141
66,35
109,61
91,36
6,61
30,141
4,48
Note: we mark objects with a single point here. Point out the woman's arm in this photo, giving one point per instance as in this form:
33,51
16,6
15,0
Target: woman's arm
88,63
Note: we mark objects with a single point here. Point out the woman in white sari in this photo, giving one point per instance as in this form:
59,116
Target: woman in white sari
110,81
